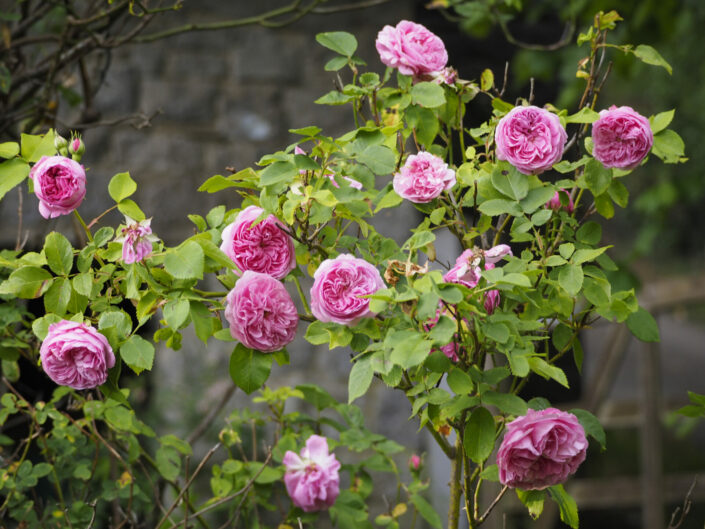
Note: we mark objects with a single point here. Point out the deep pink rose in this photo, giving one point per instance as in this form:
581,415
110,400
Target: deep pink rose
261,248
423,177
621,138
411,48
311,477
555,202
261,313
136,238
60,185
76,355
530,138
541,449
337,286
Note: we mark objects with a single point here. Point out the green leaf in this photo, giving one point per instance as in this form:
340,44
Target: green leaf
103,235
168,462
619,193
410,351
28,282
541,367
185,261
498,206
604,206
12,173
570,278
649,55
335,64
121,186
360,378
566,504
478,437
510,182
216,183
59,253
532,500
426,511
137,353
668,146
338,41
584,115
658,122
587,254
130,208
536,198
597,177
460,382
176,312
498,332
486,80
380,159
390,200
333,98
117,319
643,326
34,147
249,369
427,94
505,402
278,172
9,149
591,426
57,297
541,217
589,233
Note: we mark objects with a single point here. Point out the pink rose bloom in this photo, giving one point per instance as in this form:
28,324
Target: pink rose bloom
467,271
60,185
414,463
541,449
555,202
530,138
337,286
330,176
76,355
136,238
621,138
411,48
311,477
423,178
261,248
261,313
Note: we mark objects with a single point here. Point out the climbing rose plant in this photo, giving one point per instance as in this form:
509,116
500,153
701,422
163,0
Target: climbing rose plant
459,335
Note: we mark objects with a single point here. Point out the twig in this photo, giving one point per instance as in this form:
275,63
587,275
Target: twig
687,504
212,414
493,504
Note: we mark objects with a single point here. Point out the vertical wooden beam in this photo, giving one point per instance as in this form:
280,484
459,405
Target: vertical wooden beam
651,443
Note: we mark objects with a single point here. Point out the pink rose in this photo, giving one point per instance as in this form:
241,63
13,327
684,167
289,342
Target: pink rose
337,286
414,463
555,202
311,477
411,48
492,300
261,248
467,271
60,185
423,178
452,349
76,355
541,449
530,138
136,238
261,313
621,138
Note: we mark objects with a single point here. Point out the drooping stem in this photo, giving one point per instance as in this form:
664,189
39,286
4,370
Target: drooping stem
456,473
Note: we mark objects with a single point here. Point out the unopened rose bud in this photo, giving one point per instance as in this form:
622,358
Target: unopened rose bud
61,145
414,463
555,202
77,148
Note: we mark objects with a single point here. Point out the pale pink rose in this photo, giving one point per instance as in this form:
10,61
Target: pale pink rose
76,355
261,248
261,313
411,48
423,177
467,271
555,202
136,238
541,449
530,138
330,176
311,477
337,286
60,185
621,138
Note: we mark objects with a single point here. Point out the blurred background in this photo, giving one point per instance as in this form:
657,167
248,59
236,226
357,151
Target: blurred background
175,110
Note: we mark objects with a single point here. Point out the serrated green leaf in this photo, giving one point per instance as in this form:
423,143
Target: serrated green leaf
339,41
478,436
137,353
59,253
643,326
360,378
510,182
427,94
566,505
570,278
249,369
185,261
649,55
12,173
427,511
121,186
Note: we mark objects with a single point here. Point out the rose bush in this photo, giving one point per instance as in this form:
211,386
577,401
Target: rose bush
459,339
